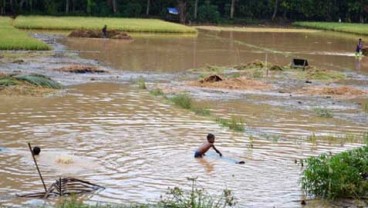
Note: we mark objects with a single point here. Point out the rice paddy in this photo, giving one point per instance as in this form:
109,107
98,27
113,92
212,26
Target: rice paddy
14,39
122,24
355,28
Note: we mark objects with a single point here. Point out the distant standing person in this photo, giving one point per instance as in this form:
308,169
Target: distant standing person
358,50
206,146
104,31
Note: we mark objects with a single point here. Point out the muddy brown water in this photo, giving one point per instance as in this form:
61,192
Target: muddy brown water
137,145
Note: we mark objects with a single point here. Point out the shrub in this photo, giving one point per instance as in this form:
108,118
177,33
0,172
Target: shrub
157,92
323,112
141,83
342,175
234,123
208,13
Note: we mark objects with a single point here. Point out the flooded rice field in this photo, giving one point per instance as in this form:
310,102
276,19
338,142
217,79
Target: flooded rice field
137,145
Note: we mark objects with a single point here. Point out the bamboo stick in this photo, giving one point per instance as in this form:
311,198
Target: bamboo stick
39,173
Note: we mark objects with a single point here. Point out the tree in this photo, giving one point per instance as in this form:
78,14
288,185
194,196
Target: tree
148,7
275,10
195,9
182,5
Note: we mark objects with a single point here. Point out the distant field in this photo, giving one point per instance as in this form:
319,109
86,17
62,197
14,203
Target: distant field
124,24
256,29
355,28
14,39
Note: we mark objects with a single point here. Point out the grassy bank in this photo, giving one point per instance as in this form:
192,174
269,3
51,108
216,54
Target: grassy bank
14,39
123,24
354,28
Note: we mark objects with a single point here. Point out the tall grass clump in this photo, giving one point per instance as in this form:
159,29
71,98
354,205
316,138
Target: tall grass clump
96,23
182,100
365,106
157,92
39,80
323,112
14,39
234,123
141,83
354,28
343,175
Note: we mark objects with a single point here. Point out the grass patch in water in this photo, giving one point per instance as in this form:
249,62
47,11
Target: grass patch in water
234,123
343,175
157,92
14,39
201,111
355,28
323,112
141,83
182,100
365,106
96,23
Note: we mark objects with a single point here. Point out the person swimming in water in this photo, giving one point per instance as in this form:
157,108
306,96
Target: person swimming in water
200,152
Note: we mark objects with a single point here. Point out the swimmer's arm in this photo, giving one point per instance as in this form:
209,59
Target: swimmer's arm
217,150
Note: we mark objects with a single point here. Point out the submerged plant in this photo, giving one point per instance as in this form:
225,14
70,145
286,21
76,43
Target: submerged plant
201,111
323,112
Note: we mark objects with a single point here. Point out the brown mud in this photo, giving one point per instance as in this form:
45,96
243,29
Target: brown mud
339,92
81,69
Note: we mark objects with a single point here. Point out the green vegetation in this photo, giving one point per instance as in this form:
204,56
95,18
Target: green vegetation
360,29
141,83
201,111
14,39
174,198
323,112
321,74
340,176
96,23
33,79
365,106
157,92
234,123
183,101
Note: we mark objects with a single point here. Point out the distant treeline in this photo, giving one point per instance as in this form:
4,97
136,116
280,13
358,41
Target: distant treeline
209,11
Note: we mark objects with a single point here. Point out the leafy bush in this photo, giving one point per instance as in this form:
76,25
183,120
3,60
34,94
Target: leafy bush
342,175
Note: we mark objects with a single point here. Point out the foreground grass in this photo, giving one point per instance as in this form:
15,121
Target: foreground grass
96,23
343,175
355,28
14,39
174,198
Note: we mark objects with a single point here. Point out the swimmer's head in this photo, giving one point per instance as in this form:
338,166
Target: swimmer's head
36,150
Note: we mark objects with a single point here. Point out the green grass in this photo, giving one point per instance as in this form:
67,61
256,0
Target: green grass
234,123
157,92
14,39
355,28
323,112
365,106
182,100
141,83
123,24
339,176
33,79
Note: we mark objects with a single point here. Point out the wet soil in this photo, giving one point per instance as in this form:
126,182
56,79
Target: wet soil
81,69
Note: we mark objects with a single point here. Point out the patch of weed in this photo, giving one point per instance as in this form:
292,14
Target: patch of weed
323,112
141,83
157,92
182,100
234,123
201,111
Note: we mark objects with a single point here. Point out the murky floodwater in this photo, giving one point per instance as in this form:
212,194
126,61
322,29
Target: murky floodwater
137,145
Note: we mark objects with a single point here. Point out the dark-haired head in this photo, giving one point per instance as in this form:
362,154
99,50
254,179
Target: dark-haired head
211,138
36,150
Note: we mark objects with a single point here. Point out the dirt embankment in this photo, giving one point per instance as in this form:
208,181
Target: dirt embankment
341,92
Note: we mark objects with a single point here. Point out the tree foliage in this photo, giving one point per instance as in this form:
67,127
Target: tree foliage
199,10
